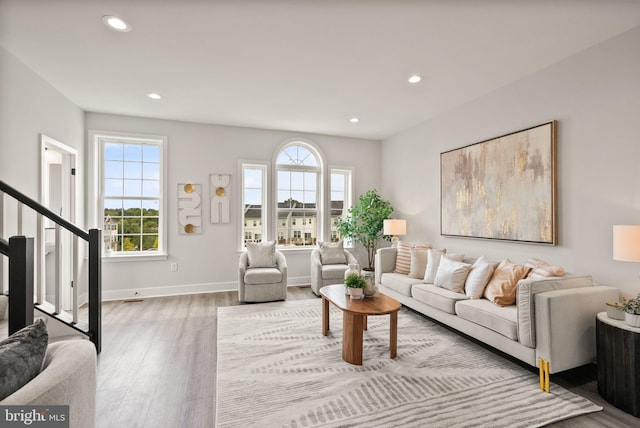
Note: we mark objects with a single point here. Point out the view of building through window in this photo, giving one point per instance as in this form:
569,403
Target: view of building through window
298,210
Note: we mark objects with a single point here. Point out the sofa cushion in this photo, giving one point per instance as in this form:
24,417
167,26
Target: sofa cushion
332,253
261,255
399,283
418,263
451,274
433,261
21,357
527,290
503,285
478,278
403,256
439,298
334,272
501,319
256,276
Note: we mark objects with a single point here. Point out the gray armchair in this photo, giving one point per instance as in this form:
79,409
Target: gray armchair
326,274
262,284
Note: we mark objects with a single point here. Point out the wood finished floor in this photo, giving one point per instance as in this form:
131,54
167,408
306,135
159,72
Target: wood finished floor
158,365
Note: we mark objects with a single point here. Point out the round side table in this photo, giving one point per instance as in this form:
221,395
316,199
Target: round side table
618,357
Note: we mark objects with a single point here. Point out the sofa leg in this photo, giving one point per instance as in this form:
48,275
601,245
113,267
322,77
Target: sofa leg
544,374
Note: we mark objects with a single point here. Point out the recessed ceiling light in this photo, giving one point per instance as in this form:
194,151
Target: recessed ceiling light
116,23
154,96
354,120
415,78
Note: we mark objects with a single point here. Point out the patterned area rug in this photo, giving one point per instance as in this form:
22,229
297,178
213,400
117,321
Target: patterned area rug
275,369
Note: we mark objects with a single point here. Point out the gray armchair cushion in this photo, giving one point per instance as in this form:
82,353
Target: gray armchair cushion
262,276
262,255
332,253
334,272
21,357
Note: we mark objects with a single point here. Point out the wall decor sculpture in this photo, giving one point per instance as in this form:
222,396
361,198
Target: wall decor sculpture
189,208
220,198
504,188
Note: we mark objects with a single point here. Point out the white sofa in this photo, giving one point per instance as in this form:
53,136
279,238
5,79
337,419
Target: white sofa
68,377
553,319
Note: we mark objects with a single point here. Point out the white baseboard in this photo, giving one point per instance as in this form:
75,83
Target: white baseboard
177,290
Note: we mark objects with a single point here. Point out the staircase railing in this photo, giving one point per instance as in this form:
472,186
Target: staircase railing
20,251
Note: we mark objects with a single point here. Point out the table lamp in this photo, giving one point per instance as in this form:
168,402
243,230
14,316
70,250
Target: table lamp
394,227
626,243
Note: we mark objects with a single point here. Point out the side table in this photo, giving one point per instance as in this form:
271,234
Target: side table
618,358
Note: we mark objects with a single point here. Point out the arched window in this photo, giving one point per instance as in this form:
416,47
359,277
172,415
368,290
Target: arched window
298,193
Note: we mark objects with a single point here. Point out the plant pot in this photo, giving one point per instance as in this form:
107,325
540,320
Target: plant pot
632,320
353,268
356,293
613,312
370,278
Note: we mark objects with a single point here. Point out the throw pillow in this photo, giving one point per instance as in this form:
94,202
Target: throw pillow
403,256
457,257
503,285
262,254
433,260
541,269
451,274
481,272
418,263
21,357
332,253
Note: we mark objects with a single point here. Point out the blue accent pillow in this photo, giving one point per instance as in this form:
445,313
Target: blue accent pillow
21,357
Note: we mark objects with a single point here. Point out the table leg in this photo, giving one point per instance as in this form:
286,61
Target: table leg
393,335
352,331
325,316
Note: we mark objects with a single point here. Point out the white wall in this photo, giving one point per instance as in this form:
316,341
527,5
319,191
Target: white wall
29,106
208,262
595,96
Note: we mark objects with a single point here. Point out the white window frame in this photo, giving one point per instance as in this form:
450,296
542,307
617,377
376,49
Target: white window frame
349,175
96,210
320,188
264,167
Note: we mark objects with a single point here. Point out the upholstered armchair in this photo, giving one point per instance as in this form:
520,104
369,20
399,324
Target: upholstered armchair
328,264
262,274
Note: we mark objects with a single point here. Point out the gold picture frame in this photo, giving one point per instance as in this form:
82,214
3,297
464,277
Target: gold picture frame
504,188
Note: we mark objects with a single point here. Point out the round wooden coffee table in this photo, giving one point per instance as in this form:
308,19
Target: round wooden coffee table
354,319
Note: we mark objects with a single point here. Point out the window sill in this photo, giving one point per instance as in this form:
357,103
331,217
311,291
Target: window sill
117,258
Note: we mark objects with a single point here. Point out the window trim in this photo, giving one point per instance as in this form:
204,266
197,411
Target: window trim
349,193
321,186
264,226
95,193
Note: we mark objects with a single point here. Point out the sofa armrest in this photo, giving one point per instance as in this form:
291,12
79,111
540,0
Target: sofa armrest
68,377
385,261
566,323
525,300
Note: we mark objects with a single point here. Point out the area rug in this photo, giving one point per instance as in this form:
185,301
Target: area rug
275,369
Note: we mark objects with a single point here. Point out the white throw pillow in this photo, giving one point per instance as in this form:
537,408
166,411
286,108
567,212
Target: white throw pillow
332,253
457,257
433,260
478,278
452,275
418,263
262,254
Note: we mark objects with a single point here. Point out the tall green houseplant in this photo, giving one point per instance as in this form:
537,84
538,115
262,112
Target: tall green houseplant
365,222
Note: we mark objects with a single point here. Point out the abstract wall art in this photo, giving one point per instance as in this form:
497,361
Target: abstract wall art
504,188
189,208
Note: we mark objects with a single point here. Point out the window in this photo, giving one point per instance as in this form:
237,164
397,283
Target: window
305,200
130,185
254,201
340,191
298,197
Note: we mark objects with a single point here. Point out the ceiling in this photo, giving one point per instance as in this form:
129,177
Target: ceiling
299,65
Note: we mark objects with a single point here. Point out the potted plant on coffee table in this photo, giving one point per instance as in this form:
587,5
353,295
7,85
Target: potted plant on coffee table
631,310
355,284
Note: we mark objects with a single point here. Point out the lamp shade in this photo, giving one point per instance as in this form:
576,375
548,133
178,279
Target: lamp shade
394,226
626,243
